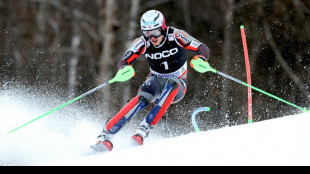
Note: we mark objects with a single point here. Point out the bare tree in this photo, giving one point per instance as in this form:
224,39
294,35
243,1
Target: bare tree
73,73
132,28
279,56
6,58
187,18
106,63
227,56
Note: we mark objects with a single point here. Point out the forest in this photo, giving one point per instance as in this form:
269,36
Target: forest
66,48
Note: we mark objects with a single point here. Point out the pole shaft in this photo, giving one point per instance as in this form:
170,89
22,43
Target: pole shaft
122,75
259,90
93,90
59,107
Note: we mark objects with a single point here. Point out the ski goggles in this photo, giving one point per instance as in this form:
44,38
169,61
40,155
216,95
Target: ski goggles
152,33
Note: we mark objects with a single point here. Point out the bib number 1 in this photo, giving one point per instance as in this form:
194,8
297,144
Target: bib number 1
166,65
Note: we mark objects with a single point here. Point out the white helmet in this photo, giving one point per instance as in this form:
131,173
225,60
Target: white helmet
152,20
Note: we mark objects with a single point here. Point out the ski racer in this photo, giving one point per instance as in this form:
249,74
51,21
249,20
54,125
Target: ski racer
165,49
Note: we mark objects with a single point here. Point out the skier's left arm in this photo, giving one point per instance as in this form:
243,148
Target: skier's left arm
190,43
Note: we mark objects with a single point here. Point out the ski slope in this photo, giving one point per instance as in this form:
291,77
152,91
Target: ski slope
279,142
63,139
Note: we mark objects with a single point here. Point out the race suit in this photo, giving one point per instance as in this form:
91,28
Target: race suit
168,72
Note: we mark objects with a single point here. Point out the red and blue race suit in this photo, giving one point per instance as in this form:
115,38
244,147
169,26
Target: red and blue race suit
167,80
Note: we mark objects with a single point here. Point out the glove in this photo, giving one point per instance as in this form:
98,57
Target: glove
199,63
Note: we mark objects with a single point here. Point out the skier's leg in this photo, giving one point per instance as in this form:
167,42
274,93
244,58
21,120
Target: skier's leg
115,123
135,105
173,91
146,94
163,102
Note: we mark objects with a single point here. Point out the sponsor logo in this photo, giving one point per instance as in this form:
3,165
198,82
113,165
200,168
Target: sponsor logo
177,73
127,55
166,76
170,37
136,46
164,54
195,44
183,38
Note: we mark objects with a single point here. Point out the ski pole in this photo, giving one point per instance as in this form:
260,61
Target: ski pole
194,115
122,75
202,67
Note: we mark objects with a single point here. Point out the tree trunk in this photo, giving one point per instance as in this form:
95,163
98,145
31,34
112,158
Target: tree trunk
73,73
227,63
41,19
133,15
187,16
8,70
279,56
106,63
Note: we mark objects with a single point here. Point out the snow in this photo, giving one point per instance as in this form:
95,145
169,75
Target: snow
63,139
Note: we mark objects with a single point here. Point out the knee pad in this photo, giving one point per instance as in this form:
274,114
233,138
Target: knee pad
146,96
173,82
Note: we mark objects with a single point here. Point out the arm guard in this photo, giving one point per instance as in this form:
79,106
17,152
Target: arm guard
135,50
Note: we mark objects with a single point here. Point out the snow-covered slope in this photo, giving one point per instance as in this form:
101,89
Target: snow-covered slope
282,141
58,140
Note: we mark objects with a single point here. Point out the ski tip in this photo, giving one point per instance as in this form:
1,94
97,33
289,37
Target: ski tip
137,140
102,146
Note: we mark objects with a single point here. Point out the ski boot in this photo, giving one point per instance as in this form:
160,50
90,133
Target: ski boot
141,133
103,144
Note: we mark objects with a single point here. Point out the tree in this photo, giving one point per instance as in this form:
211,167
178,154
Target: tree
106,24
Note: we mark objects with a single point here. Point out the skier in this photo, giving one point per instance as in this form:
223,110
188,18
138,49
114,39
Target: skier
164,47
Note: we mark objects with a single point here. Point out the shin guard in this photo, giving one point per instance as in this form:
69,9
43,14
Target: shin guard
163,102
125,114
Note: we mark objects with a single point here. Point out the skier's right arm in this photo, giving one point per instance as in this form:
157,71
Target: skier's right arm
135,50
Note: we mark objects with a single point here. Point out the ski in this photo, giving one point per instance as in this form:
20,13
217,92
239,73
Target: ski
107,146
136,140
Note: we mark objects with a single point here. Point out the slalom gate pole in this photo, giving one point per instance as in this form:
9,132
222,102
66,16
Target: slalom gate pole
202,67
247,65
194,117
122,75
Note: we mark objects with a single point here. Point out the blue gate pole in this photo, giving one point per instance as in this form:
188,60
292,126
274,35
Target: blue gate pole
194,117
